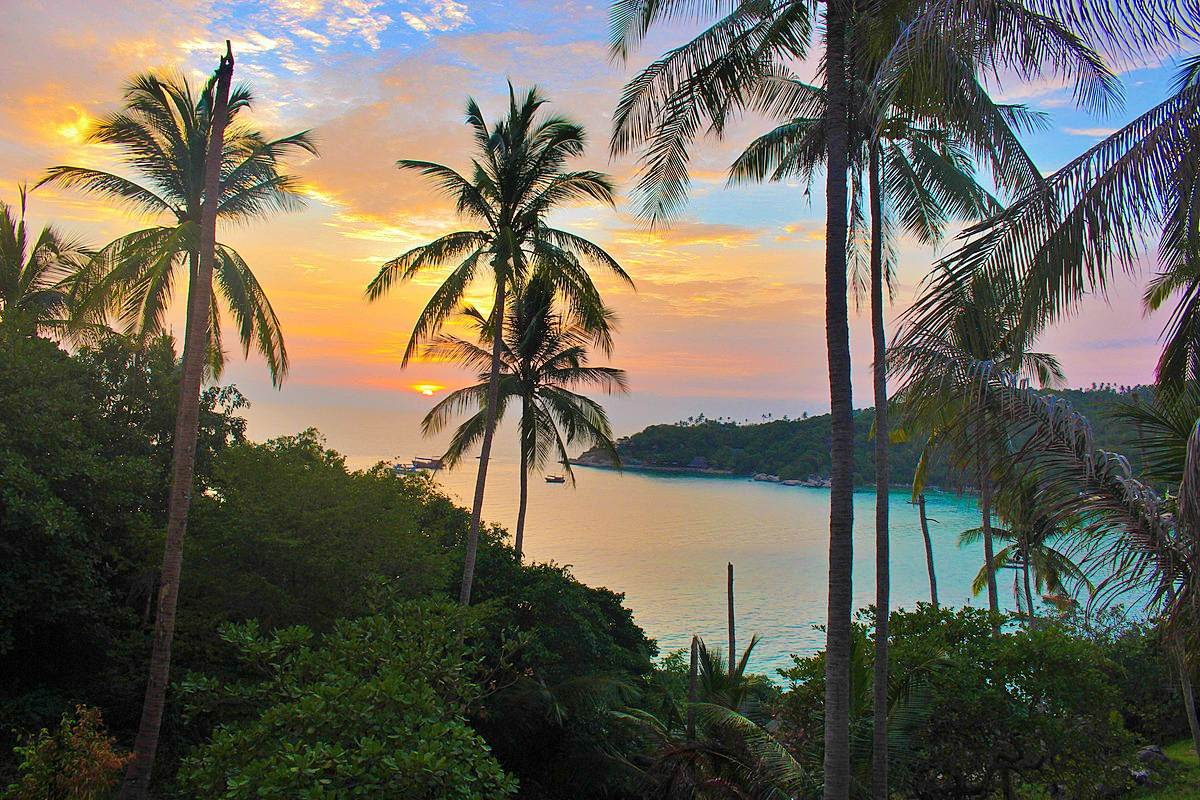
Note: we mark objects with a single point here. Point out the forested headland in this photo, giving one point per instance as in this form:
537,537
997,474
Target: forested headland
798,449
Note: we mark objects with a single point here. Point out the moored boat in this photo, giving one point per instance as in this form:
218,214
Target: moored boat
555,479
420,462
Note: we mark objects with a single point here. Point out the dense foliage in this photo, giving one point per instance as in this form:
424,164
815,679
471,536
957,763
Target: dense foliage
799,448
281,534
375,708
1049,706
84,450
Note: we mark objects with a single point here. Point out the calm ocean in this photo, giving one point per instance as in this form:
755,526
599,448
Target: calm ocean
664,540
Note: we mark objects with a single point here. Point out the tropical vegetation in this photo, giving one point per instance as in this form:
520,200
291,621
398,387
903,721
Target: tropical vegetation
519,176
542,358
316,648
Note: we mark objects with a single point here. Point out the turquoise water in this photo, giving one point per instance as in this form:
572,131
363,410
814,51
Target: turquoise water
664,540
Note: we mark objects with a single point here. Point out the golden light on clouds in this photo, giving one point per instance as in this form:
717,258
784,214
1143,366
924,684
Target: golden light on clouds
75,130
729,298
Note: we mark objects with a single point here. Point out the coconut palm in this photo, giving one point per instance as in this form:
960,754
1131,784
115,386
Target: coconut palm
939,395
1090,220
542,358
1031,546
36,273
162,135
916,175
519,174
189,149
696,88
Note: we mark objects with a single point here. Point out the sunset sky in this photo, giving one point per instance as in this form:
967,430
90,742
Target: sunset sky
727,317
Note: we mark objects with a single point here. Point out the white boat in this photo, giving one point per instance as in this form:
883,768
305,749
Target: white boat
401,469
555,479
427,462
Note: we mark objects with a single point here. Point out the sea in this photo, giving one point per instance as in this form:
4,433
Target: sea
664,540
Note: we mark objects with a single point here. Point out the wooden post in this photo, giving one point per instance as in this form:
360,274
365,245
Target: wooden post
691,709
732,637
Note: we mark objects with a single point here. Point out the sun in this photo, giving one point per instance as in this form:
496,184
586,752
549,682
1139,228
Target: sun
427,389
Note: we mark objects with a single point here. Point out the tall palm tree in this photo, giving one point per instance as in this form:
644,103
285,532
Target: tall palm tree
35,274
1032,546
542,358
939,394
698,87
1069,236
519,174
189,150
163,134
916,175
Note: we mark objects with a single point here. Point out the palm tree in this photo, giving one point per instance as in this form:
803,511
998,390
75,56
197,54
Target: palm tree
698,87
163,132
918,175
1069,236
939,394
518,176
1031,549
542,358
35,274
919,500
724,755
178,142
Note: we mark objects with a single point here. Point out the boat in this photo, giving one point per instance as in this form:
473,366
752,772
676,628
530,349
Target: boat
555,479
401,469
428,462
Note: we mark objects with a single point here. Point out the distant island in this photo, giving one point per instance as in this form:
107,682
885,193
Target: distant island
796,451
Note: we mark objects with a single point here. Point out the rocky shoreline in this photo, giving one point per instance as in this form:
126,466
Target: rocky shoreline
599,461
583,461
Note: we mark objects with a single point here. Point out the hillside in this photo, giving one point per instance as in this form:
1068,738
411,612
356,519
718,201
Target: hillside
799,449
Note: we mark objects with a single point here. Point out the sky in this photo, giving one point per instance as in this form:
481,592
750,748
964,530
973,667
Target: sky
727,315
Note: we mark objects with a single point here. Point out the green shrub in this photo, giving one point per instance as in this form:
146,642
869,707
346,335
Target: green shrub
1039,705
374,709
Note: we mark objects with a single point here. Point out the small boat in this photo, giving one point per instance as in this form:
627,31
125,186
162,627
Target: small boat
430,462
401,469
555,479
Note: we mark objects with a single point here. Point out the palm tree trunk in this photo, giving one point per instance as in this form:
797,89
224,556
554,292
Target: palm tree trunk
837,343
879,763
985,511
1189,700
933,597
1028,583
183,458
729,608
520,537
485,451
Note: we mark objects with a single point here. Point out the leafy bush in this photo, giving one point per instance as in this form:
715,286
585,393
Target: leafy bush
77,761
287,535
1147,679
1039,705
581,656
374,709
